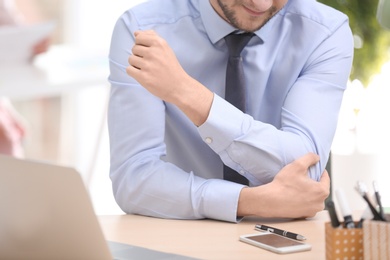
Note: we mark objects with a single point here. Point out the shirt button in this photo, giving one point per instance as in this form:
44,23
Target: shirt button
209,140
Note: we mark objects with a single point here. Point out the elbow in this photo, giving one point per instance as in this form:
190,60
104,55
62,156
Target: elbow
124,192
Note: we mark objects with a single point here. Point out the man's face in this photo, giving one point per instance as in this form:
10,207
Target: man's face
247,15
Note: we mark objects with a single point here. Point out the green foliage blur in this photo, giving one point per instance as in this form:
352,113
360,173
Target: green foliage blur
374,51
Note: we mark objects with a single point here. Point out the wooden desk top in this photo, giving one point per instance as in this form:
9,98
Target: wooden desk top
209,239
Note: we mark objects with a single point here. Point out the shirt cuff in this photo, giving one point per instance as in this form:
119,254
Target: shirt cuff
224,124
222,201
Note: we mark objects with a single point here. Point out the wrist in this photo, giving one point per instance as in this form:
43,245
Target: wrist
195,101
255,201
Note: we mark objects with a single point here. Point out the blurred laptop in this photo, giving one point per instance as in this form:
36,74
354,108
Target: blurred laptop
46,213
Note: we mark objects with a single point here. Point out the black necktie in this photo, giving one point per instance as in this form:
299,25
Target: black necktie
235,87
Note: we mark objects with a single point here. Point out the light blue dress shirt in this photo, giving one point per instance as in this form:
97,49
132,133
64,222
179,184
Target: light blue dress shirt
296,71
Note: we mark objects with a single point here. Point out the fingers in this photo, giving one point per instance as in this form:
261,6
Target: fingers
303,163
325,177
145,32
145,38
140,50
143,41
132,71
325,180
308,160
136,61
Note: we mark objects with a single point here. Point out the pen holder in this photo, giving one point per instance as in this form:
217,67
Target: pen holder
376,239
343,243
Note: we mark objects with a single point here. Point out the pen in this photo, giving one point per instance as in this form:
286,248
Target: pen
361,188
345,210
332,213
367,214
279,232
378,200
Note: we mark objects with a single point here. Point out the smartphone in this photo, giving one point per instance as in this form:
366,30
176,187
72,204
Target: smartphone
275,243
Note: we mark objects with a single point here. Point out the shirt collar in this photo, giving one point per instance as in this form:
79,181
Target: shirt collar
217,28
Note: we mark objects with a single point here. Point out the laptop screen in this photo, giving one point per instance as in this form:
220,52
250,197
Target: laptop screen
46,213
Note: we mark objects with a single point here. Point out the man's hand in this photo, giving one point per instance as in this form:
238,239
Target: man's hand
155,66
292,194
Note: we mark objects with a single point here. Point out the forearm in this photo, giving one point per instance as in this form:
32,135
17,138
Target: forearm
292,194
143,182
268,201
257,149
303,119
165,191
193,99
155,66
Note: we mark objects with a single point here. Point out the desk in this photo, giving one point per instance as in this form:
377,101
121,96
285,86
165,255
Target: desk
209,239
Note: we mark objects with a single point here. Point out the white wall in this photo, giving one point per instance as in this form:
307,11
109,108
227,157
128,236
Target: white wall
361,146
90,23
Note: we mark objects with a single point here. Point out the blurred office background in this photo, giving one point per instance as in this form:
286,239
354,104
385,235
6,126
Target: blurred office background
70,128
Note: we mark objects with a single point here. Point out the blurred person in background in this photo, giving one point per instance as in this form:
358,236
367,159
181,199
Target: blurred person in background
12,124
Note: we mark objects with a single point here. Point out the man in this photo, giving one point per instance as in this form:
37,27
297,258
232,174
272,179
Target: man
171,130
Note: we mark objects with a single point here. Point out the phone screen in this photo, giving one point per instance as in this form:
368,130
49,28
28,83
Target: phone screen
274,240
